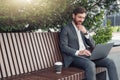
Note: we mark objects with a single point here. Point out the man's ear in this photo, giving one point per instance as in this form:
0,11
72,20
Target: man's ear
73,16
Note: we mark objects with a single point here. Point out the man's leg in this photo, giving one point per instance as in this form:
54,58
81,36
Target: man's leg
109,64
87,65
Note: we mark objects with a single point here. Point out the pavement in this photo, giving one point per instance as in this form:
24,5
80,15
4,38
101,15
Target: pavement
115,38
115,56
115,51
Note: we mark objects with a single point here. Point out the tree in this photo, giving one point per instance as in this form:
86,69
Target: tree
35,14
15,14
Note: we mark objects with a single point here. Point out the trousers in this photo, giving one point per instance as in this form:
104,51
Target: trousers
90,67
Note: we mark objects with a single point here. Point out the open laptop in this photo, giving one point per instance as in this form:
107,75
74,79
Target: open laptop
101,51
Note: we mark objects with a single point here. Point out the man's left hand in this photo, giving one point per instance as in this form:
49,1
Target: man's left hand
82,28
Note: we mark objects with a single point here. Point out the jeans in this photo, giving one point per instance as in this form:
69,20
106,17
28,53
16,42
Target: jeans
90,67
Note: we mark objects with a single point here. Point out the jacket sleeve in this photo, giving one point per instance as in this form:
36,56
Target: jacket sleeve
90,42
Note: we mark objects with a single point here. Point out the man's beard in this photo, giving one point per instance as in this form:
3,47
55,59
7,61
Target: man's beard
77,22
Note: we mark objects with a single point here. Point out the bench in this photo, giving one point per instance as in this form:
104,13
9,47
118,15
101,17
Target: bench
31,56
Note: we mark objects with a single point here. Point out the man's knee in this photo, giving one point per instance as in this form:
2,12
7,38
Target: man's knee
90,65
110,62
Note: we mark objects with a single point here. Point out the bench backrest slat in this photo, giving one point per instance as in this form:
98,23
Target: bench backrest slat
23,56
26,52
45,50
5,66
37,51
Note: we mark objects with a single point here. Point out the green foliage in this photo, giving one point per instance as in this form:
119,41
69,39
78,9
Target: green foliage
103,34
116,28
44,14
15,14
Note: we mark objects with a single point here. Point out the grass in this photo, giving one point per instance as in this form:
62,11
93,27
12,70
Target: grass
116,28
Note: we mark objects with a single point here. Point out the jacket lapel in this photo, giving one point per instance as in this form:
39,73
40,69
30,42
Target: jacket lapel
73,31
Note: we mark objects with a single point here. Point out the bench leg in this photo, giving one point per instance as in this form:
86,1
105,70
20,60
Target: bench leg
101,76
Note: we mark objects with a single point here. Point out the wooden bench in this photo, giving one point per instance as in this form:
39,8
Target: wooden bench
31,56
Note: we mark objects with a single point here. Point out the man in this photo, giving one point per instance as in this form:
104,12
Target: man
74,43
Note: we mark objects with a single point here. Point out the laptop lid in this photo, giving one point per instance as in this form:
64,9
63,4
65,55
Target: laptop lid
101,51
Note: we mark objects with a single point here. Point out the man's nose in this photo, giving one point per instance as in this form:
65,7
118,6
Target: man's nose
81,20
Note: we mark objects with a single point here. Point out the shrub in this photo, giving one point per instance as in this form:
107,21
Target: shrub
103,35
116,28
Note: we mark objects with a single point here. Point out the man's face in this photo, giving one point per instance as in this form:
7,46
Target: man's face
79,18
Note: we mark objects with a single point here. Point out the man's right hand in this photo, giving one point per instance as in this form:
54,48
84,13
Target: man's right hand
84,52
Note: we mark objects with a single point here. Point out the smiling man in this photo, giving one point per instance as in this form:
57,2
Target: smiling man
75,43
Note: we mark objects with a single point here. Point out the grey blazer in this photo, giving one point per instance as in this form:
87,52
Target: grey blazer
69,43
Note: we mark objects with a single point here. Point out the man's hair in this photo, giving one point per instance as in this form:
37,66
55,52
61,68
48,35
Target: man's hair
79,10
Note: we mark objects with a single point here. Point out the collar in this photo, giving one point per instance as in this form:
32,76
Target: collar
75,26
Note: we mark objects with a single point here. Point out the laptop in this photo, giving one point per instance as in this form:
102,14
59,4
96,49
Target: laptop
101,51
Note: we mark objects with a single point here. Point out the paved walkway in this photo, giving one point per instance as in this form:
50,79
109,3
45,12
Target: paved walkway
116,38
115,55
115,50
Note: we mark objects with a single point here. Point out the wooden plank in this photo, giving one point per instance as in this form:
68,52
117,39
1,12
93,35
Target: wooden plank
55,40
5,55
51,39
17,55
1,76
47,48
40,49
2,69
26,53
58,48
37,51
21,53
10,57
51,48
14,59
31,52
45,51
34,51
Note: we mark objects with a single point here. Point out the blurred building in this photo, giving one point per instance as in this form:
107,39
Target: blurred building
115,19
